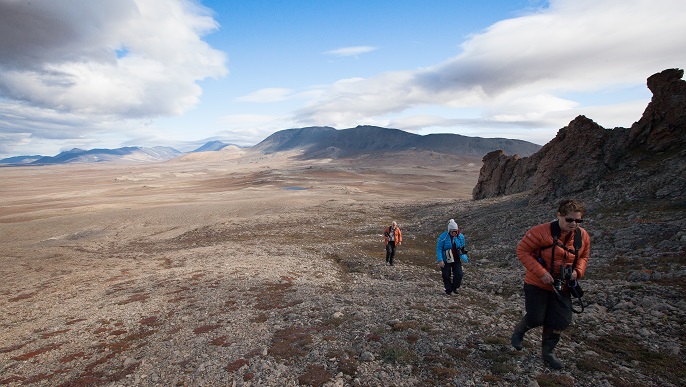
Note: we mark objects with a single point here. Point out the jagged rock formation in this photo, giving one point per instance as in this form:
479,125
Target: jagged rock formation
644,162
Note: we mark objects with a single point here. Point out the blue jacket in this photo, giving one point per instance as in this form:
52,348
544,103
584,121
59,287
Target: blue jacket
444,243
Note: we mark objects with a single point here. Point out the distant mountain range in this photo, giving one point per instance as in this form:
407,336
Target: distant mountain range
76,155
315,142
211,146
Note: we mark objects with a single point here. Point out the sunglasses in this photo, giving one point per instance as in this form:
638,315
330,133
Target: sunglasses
570,220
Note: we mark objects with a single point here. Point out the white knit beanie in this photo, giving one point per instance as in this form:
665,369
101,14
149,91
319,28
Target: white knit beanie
452,225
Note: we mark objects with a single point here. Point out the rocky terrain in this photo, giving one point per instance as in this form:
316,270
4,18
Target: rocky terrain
243,269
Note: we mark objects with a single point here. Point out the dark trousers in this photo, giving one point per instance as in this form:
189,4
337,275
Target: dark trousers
455,270
390,252
544,307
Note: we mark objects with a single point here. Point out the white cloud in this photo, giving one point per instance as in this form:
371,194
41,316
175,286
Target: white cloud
247,120
273,94
107,68
122,58
277,94
351,51
243,129
28,129
526,108
516,69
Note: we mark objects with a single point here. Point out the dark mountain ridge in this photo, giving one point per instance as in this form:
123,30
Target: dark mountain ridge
318,142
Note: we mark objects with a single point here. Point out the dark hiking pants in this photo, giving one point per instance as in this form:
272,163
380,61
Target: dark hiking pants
390,252
544,307
453,270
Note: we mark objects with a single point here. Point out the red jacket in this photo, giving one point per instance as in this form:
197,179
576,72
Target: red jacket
529,249
398,235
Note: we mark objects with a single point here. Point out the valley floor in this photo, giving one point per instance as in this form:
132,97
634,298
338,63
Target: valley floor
259,270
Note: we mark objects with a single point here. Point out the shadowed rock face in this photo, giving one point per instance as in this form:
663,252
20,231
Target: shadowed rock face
645,161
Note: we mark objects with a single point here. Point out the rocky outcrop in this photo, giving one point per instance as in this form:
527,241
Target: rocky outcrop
646,161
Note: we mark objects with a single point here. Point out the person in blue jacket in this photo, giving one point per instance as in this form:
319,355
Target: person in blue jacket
450,255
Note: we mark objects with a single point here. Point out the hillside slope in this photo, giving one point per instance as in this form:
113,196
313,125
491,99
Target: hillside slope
324,142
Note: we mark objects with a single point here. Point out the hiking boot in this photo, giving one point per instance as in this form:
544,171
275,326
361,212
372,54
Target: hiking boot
550,340
447,292
518,334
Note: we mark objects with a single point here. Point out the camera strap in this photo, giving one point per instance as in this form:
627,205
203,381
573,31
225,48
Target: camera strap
564,247
581,302
552,264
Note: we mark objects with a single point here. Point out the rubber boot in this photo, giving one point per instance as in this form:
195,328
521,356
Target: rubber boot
550,340
518,334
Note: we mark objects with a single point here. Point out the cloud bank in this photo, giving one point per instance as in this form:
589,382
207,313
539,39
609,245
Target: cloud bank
93,63
351,51
519,71
82,72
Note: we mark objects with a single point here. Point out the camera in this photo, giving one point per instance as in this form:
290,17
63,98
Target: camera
565,276
566,273
558,285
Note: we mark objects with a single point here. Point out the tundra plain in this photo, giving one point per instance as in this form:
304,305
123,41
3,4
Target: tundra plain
240,268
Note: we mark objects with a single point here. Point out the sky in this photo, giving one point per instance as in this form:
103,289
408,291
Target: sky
180,73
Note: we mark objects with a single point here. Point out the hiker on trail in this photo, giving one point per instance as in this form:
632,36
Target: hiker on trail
551,259
450,255
392,238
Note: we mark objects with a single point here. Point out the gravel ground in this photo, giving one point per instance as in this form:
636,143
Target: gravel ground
260,271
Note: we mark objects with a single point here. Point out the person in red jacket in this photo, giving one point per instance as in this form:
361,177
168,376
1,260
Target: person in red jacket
547,299
393,237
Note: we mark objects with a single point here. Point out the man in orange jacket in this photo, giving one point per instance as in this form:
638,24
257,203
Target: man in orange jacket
547,261
392,238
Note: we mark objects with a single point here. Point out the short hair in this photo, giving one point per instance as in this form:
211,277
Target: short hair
570,205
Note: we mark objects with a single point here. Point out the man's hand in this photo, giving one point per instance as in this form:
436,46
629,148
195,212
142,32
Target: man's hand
547,278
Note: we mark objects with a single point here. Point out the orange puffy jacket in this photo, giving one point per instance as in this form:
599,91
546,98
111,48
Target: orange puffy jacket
398,235
529,249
